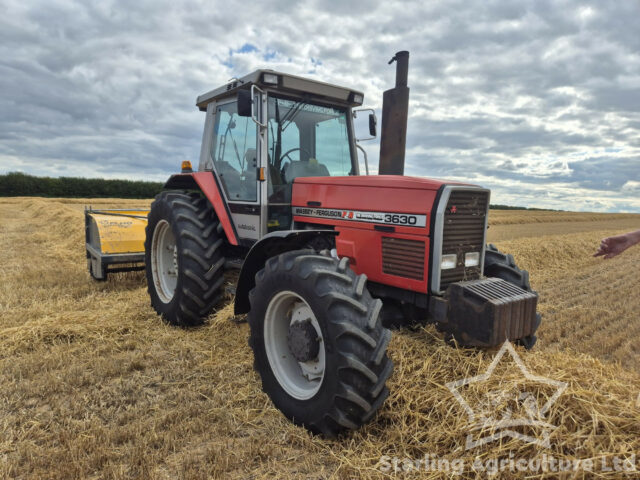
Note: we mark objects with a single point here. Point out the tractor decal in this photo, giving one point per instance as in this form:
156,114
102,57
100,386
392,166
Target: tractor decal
406,219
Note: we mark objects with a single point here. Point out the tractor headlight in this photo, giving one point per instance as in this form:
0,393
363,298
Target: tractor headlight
472,259
448,261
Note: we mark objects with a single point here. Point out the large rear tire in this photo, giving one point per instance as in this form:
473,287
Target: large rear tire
501,265
183,257
318,342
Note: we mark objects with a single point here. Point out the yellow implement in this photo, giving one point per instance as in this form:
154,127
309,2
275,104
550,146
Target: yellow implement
114,240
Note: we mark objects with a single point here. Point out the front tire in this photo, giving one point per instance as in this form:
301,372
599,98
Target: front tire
318,342
183,258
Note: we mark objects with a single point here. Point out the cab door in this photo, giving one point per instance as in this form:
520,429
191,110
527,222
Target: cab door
234,156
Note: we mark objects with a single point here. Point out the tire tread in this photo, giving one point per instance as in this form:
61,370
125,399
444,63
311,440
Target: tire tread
353,319
201,262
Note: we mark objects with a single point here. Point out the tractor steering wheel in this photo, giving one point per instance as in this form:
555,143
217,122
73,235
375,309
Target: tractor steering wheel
287,153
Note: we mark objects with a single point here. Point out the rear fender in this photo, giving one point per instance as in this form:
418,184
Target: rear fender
270,245
206,183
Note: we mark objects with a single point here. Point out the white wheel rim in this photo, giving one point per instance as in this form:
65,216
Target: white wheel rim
164,261
301,380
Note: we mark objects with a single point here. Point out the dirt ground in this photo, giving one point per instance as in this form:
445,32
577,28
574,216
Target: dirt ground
95,385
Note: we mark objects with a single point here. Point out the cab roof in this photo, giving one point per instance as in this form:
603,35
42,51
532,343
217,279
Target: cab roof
285,83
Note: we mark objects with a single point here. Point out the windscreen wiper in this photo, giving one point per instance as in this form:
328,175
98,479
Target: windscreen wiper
223,144
291,115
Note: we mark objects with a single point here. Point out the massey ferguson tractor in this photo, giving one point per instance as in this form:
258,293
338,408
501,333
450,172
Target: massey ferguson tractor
328,258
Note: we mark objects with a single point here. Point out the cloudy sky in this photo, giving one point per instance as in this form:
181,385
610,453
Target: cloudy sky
540,101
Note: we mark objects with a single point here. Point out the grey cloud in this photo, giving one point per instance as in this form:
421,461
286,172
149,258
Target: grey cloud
521,95
619,99
605,173
510,166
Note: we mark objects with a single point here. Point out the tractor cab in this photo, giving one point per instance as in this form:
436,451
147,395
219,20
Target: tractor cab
266,129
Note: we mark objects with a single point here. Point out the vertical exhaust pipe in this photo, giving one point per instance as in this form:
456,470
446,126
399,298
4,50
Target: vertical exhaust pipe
395,110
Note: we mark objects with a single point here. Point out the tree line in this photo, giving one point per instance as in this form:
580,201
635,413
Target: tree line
509,207
17,184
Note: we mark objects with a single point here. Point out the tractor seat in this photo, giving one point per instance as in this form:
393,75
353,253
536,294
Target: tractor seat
312,168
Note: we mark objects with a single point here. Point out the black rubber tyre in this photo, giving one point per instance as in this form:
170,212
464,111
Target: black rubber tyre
200,274
355,342
500,265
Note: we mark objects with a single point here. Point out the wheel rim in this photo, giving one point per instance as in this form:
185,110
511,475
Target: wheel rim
301,380
164,261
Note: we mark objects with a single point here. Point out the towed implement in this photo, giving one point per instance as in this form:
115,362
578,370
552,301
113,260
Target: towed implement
114,240
326,259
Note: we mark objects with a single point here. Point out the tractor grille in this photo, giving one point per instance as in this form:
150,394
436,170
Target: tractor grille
404,258
463,231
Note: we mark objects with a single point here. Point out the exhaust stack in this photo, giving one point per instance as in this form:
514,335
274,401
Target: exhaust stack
395,110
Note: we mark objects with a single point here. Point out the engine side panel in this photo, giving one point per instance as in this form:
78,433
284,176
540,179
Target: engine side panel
383,227
394,259
364,207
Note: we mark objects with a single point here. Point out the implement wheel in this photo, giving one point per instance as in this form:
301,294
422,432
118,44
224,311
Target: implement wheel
183,257
318,342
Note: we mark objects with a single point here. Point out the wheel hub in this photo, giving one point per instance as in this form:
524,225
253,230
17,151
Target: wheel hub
302,341
294,345
164,261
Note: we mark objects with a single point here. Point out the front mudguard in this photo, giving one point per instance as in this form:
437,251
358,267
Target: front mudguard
270,245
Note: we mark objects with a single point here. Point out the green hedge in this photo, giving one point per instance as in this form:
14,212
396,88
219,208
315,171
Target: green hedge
508,207
16,184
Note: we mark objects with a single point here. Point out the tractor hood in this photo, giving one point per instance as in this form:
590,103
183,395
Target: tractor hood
380,181
368,198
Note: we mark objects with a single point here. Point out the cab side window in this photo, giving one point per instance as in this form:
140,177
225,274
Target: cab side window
332,145
233,152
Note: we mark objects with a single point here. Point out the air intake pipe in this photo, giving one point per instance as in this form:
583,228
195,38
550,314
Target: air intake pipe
395,110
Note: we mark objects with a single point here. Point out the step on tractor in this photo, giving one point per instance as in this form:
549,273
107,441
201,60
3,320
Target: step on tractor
325,259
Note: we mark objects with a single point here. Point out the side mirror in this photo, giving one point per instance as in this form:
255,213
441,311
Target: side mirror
373,122
244,103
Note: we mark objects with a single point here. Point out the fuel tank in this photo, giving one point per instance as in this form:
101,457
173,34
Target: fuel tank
384,222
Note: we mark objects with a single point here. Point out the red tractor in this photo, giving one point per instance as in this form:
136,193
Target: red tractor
328,258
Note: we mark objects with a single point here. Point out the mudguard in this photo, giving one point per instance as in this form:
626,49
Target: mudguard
206,182
270,245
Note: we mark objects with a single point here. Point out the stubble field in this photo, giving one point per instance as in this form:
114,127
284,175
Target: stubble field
94,385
